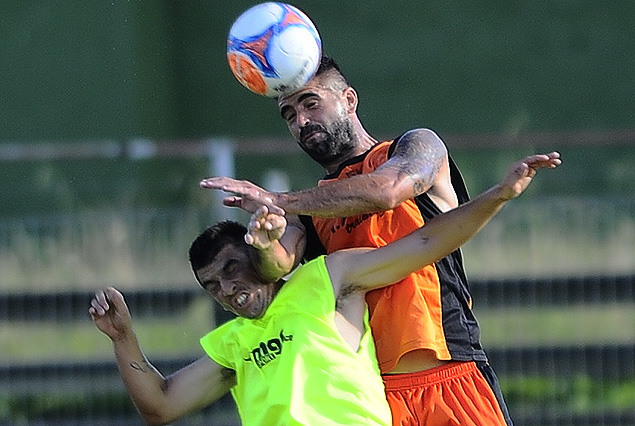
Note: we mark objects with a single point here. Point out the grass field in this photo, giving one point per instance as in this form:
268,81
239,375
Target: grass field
536,238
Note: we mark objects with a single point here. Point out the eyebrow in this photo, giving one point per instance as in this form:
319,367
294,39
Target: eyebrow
301,98
307,95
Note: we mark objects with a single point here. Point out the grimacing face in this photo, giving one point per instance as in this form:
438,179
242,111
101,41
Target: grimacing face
231,279
318,118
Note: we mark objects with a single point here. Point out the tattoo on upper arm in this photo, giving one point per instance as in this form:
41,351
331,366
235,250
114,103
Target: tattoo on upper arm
417,158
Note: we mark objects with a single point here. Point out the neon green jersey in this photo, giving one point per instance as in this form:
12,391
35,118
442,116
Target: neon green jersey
292,365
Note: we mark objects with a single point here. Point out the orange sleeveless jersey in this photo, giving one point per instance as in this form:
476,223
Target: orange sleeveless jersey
408,315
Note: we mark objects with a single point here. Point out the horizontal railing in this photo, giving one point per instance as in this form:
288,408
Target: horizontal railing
489,293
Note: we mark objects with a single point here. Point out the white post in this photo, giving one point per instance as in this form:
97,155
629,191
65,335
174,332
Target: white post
276,180
221,155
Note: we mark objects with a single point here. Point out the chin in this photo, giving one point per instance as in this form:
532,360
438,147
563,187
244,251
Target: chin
250,315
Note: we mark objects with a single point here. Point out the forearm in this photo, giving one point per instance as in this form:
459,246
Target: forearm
342,198
436,239
144,383
274,262
450,230
282,255
420,158
439,236
459,225
158,399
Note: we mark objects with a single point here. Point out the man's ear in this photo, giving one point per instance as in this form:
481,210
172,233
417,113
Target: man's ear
351,100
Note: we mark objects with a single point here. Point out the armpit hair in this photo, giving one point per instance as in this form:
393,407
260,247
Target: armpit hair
345,293
228,373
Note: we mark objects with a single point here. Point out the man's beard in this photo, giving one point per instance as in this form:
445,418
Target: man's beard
337,141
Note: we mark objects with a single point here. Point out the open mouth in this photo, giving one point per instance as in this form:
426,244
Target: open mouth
241,300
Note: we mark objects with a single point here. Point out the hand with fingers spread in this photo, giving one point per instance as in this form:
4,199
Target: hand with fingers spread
246,195
109,312
264,228
520,173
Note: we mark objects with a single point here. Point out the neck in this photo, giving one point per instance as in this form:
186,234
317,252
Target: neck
363,142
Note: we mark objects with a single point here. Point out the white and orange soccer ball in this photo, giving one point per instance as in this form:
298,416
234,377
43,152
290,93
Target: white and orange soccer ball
273,48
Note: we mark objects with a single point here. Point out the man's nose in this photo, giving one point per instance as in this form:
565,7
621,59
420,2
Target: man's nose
301,119
228,287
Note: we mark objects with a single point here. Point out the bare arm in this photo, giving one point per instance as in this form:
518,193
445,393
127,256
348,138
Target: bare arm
364,269
158,399
418,161
279,243
414,168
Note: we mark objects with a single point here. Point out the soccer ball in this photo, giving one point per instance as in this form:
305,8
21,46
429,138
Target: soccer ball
273,48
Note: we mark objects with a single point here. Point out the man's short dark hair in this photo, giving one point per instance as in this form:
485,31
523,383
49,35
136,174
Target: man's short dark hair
328,65
212,240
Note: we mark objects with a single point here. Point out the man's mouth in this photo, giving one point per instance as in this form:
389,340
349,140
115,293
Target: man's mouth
241,300
310,132
309,136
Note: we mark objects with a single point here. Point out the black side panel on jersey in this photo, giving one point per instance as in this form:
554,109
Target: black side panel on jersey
461,328
314,246
457,182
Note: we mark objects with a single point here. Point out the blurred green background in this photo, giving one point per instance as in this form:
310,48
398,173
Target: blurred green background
96,72
117,69
497,80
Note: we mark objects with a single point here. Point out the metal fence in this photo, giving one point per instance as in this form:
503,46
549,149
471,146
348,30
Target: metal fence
553,283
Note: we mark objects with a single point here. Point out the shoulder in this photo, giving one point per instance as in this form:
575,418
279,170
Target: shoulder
419,151
344,267
418,139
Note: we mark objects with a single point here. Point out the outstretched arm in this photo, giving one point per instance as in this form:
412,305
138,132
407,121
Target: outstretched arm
364,269
418,163
158,399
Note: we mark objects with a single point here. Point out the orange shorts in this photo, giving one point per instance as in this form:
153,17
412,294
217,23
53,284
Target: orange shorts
452,394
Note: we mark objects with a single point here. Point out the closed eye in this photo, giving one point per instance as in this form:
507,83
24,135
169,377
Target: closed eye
212,286
230,268
311,104
287,113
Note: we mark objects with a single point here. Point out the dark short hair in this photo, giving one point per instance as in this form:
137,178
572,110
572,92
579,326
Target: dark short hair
329,65
212,240
334,77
